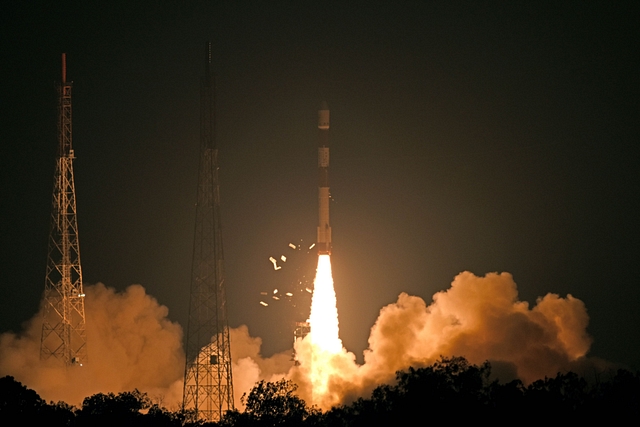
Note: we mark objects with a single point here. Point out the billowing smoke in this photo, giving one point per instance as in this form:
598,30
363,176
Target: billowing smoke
249,366
131,344
479,318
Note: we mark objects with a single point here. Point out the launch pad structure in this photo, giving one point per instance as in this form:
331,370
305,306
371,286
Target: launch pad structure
301,330
63,324
208,386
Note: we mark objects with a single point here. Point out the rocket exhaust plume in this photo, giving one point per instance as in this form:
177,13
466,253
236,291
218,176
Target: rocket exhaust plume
323,339
324,314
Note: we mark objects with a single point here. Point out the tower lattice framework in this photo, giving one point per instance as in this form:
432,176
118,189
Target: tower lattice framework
63,327
208,387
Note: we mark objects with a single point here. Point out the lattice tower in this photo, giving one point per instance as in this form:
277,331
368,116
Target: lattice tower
63,328
208,387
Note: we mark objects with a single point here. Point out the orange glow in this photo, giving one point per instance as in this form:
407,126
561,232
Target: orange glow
324,340
324,314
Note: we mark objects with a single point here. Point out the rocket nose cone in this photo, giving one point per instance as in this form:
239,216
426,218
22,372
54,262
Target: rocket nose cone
324,105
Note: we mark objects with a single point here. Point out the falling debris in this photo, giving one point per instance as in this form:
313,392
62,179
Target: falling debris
311,247
275,263
263,303
294,275
309,290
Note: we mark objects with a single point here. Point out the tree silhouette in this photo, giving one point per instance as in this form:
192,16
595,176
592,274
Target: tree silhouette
270,404
21,405
451,388
17,402
619,397
18,399
111,410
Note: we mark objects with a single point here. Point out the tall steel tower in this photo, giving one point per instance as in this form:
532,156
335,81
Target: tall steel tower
63,327
208,387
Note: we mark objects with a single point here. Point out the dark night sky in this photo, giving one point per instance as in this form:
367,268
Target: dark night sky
480,136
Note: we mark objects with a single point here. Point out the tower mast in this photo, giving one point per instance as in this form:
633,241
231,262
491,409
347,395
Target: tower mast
208,387
63,327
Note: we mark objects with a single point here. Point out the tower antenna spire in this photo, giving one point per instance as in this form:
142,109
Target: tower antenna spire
63,326
64,68
208,386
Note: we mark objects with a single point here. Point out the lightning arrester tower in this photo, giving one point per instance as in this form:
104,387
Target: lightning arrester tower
63,325
208,387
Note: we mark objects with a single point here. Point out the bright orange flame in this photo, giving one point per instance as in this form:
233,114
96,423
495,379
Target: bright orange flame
324,339
324,314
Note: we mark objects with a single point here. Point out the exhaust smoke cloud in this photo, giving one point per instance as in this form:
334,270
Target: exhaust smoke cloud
479,318
132,344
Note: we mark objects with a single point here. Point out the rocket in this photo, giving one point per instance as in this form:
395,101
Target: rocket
324,229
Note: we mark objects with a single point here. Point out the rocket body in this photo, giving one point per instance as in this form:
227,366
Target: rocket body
324,229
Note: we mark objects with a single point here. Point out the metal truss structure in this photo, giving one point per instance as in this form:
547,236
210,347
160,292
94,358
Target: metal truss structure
208,387
63,328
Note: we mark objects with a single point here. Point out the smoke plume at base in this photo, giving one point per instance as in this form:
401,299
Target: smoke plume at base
131,344
479,318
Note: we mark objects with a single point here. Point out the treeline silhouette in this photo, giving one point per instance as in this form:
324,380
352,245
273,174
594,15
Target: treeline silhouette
451,390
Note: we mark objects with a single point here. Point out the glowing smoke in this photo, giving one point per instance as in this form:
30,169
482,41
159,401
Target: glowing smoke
131,344
249,366
479,318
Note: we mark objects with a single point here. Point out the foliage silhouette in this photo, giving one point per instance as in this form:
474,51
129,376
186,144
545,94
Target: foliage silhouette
109,409
451,387
270,404
21,405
